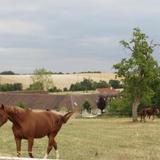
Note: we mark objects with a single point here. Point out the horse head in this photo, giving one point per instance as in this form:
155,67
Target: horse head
3,115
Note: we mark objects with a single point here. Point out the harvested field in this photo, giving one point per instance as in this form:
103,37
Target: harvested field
60,81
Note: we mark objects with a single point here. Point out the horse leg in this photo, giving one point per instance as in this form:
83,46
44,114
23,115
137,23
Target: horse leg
149,116
50,146
144,116
141,118
52,143
30,145
18,146
55,147
153,117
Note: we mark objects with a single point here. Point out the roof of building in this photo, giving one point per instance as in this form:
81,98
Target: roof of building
107,91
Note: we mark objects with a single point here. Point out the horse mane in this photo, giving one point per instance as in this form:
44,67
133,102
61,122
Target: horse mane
15,110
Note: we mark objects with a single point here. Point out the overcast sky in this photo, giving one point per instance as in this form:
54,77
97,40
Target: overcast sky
72,35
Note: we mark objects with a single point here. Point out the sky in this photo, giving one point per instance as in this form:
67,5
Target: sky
72,35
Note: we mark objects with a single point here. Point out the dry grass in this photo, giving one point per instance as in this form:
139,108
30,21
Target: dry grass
60,81
96,139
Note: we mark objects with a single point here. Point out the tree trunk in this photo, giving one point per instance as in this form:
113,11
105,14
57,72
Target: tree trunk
134,109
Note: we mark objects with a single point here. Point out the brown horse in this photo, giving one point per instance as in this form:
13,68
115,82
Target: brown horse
28,124
148,112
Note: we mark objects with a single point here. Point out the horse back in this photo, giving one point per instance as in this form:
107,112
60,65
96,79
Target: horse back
38,124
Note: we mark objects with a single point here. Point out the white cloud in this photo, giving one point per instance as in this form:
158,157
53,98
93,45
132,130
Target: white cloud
20,27
98,41
57,33
22,52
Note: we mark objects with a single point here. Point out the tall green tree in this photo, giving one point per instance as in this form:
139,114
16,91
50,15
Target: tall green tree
139,70
43,77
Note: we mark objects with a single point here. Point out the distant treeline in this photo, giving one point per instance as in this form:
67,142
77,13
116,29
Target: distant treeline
48,72
89,84
85,85
7,73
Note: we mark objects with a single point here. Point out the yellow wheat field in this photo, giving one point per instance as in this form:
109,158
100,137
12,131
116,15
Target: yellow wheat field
60,81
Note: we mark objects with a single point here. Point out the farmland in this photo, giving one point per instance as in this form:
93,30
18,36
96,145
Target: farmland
60,80
95,139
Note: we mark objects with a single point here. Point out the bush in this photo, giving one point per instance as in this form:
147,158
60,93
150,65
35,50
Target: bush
86,106
101,84
65,89
54,89
7,73
101,103
120,107
11,87
36,86
115,84
88,84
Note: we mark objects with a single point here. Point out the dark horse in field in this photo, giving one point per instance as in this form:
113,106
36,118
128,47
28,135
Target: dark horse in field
148,112
28,124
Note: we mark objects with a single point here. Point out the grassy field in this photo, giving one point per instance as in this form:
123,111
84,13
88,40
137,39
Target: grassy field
95,139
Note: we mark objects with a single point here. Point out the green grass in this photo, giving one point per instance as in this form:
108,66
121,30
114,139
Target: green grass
95,139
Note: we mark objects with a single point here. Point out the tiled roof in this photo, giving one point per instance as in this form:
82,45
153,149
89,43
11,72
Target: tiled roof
108,91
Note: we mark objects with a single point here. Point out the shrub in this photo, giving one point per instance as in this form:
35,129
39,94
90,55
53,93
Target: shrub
65,89
115,84
86,106
120,107
88,84
101,103
11,87
7,73
54,89
36,86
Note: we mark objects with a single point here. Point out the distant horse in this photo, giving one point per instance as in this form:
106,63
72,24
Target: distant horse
28,124
148,112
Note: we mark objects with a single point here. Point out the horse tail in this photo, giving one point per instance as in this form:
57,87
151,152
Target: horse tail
67,116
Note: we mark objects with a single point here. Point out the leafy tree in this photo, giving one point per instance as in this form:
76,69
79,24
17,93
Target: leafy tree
11,87
7,73
36,86
139,70
65,89
85,85
101,84
88,84
156,88
120,106
54,89
44,77
115,84
101,103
